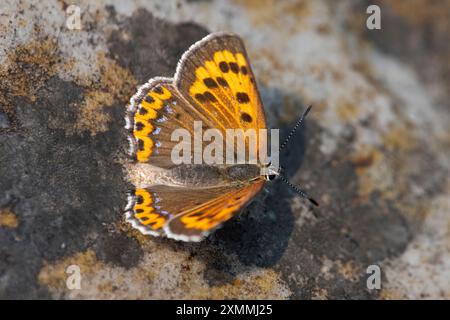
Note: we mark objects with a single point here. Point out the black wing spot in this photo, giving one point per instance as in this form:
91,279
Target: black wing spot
139,126
234,67
196,214
246,117
141,144
209,96
149,99
244,70
222,81
224,67
200,97
143,111
210,83
242,97
158,90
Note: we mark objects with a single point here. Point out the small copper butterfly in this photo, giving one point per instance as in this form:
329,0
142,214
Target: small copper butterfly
213,83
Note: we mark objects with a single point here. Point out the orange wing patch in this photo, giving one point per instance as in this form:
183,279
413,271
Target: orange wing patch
193,224
226,86
147,110
154,112
143,214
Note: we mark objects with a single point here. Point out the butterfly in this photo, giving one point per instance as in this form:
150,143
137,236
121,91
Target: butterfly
214,84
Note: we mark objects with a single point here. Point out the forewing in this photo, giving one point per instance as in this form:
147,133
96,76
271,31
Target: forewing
152,116
215,76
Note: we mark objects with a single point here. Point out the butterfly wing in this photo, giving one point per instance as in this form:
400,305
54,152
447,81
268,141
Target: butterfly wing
150,208
215,76
141,212
186,214
214,84
197,222
152,116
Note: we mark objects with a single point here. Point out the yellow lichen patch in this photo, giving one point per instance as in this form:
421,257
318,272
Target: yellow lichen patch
391,295
164,272
115,86
364,158
264,284
347,111
123,226
54,275
25,71
319,294
372,170
349,270
421,11
400,138
324,29
8,219
28,67
92,116
262,12
364,68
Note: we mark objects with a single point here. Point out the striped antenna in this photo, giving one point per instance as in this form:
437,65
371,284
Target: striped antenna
299,122
302,193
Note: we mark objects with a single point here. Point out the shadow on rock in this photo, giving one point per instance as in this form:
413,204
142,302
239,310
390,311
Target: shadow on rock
260,234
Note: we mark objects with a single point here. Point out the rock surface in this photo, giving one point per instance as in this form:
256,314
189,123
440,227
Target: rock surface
374,152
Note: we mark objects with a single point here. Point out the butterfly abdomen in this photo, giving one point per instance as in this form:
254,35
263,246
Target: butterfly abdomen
213,176
243,172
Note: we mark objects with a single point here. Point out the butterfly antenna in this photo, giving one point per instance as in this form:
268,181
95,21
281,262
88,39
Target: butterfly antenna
299,122
299,191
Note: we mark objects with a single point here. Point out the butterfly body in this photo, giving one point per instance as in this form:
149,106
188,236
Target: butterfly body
193,175
213,85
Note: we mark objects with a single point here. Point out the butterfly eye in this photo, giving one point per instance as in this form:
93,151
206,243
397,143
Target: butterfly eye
270,177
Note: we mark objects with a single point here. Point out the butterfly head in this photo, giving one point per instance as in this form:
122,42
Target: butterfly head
271,172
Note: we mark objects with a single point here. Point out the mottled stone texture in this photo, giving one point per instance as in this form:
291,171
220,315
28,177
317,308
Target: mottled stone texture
374,152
